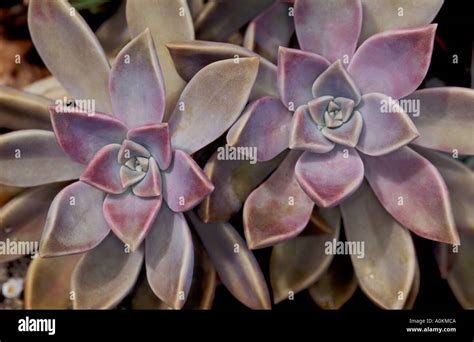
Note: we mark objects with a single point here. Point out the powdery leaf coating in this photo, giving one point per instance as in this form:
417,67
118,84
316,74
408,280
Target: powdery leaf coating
388,266
235,263
282,196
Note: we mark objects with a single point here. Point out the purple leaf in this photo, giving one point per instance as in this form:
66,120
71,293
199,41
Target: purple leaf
385,129
331,177
414,193
264,125
68,229
288,204
150,186
400,59
156,139
184,184
130,217
137,64
347,134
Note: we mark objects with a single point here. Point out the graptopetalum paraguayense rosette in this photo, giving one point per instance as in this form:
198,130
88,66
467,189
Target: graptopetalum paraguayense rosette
138,177
329,77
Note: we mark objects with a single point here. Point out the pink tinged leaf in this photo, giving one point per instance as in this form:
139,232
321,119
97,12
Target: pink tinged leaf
23,217
460,182
211,103
81,135
282,196
400,59
445,119
22,110
33,157
130,217
348,134
129,176
461,278
328,28
190,57
150,185
385,15
271,29
335,81
48,283
299,262
297,71
387,268
386,129
239,272
53,29
105,275
137,64
184,183
156,139
75,222
167,20
169,257
264,125
103,171
305,134
318,108
234,180
412,190
330,178
130,150
336,285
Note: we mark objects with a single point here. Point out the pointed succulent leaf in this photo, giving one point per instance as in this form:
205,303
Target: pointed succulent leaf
409,53
387,267
150,186
103,171
282,196
335,286
335,81
81,135
233,181
130,217
57,26
460,182
167,20
299,262
75,222
48,283
385,15
271,29
113,33
190,57
136,83
33,157
23,218
105,275
305,134
328,28
412,190
348,134
215,23
212,101
264,125
169,258
461,279
22,110
331,177
184,183
297,71
240,271
445,119
156,139
385,129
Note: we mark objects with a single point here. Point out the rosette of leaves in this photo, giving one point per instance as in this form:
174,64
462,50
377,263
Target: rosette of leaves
134,166
328,130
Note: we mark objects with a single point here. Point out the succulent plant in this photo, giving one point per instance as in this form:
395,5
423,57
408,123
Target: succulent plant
128,161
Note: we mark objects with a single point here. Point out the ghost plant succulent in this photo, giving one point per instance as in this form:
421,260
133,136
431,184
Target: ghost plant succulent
346,111
136,174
